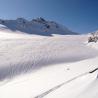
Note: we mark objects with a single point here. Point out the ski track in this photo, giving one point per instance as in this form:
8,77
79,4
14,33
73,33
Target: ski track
64,83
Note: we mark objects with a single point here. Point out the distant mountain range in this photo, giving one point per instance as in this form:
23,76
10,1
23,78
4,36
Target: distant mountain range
38,26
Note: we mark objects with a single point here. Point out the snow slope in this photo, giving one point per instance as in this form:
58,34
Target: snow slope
47,67
35,84
30,52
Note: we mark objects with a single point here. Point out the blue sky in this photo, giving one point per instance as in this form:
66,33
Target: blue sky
78,15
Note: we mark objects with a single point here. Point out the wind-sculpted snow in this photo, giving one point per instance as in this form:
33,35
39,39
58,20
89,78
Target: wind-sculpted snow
23,55
51,78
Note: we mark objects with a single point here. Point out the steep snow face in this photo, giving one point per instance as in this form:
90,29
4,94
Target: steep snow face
37,26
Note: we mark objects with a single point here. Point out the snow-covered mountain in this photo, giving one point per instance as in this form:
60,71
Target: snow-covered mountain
37,26
33,66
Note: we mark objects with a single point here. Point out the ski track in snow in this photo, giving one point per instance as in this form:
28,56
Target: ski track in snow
64,83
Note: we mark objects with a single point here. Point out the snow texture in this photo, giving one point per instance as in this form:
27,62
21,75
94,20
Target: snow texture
32,66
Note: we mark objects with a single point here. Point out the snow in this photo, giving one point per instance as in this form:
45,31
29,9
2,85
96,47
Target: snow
93,45
34,66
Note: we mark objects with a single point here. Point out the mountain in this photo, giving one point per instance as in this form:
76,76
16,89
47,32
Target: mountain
44,66
38,26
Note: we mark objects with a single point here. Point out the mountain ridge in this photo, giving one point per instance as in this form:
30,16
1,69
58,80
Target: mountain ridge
38,26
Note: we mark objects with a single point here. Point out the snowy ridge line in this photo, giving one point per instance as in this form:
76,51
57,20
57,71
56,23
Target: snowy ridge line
37,26
60,85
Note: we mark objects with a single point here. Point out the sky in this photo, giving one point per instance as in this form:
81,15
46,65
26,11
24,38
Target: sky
78,15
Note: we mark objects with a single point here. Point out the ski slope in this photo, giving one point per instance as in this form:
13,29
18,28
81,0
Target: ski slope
47,67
